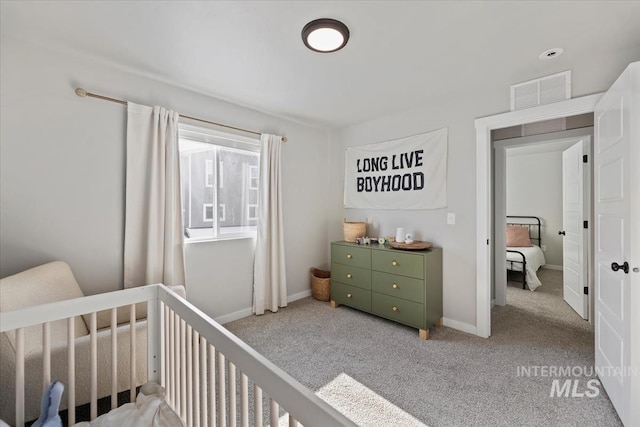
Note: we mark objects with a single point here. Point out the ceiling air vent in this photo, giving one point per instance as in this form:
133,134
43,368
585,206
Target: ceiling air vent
545,90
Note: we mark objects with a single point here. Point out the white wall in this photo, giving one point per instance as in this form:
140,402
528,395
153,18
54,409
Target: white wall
62,177
534,188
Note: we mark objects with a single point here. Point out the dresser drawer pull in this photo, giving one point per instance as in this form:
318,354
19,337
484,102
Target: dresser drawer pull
394,286
349,276
348,295
394,263
394,308
349,256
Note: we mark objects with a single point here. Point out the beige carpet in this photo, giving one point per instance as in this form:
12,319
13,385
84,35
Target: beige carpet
545,302
453,379
363,406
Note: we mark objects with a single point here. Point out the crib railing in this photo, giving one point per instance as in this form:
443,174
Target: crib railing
211,377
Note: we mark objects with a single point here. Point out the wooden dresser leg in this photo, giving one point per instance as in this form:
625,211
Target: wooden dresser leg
439,322
424,334
333,304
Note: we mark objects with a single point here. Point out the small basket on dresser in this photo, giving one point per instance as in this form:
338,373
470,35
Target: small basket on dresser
321,284
353,230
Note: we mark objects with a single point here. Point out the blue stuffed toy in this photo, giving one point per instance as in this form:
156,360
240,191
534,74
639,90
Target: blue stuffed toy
49,406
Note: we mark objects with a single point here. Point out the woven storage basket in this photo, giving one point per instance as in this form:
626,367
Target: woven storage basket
352,230
321,284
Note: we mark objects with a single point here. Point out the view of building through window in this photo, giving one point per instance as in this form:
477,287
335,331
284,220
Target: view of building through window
221,173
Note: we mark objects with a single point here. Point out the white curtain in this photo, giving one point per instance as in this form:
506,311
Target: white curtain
269,279
153,235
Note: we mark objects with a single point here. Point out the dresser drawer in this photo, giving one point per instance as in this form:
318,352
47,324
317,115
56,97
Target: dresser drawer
397,309
353,276
397,262
351,296
350,255
398,286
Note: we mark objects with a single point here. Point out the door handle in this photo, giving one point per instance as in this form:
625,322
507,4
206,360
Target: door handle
624,267
561,233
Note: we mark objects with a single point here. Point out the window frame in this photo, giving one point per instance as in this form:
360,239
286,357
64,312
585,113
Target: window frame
228,141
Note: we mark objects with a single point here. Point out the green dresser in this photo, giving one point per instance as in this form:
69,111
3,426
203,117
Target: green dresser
403,286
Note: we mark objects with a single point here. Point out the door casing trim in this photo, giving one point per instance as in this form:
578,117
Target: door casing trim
484,196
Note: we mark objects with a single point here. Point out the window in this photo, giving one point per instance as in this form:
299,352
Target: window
206,156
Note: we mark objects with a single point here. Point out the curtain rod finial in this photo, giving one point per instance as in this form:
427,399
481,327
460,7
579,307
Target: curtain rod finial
81,92
284,139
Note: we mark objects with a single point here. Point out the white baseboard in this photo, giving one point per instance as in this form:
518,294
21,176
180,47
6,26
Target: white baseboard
240,314
299,295
461,326
246,312
553,267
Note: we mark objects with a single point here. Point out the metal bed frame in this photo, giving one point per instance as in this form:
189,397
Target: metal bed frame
533,226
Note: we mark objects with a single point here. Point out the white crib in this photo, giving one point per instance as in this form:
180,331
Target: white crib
211,377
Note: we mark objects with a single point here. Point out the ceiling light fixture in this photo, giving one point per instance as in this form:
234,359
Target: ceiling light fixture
325,35
551,53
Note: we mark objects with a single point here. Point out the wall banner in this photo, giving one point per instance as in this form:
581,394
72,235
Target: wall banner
406,173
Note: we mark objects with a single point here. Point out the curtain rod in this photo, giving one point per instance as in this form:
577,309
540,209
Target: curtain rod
83,93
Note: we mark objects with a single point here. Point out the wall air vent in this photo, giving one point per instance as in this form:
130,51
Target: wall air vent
544,90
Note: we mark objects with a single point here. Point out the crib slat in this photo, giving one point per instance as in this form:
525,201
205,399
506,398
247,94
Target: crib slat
222,391
212,386
203,382
244,400
71,369
114,358
273,412
165,347
155,343
196,380
172,339
292,421
20,377
94,366
132,353
189,372
176,363
183,369
232,395
257,405
46,354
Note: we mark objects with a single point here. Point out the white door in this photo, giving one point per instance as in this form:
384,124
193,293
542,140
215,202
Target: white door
574,247
617,235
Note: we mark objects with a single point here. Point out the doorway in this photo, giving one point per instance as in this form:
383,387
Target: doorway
541,185
485,229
